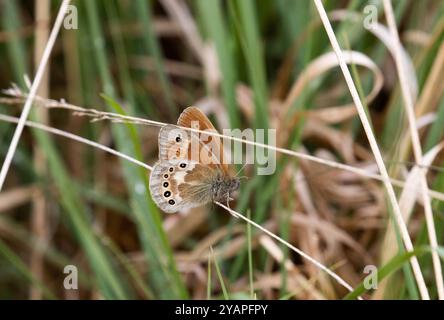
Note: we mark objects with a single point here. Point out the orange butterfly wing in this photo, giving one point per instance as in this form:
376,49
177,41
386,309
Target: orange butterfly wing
192,117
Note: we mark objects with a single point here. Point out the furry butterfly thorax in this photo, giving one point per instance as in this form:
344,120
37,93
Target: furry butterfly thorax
191,170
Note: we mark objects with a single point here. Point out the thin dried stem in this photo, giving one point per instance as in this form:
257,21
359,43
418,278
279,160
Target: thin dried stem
97,115
126,157
417,149
375,149
76,138
39,218
33,91
290,246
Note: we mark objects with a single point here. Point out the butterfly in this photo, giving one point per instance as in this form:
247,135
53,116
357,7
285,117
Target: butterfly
191,170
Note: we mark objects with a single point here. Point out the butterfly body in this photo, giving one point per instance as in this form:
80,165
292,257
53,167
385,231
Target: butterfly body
223,186
182,180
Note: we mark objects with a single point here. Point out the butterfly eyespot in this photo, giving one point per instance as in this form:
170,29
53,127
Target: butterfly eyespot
166,176
167,194
171,202
171,169
165,184
183,165
178,139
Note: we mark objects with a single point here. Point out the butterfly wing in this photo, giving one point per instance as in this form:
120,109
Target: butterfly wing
174,143
191,114
192,117
180,185
187,169
177,143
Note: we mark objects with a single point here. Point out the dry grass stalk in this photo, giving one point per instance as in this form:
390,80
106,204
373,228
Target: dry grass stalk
76,138
417,149
97,115
428,101
324,63
180,13
39,218
290,246
172,67
97,145
33,91
16,197
374,146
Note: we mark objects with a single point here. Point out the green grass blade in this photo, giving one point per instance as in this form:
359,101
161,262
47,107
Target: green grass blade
109,282
221,279
212,15
390,267
22,268
253,55
163,274
250,257
142,9
209,278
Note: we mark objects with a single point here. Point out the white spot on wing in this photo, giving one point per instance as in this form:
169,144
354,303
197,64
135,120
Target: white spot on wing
180,176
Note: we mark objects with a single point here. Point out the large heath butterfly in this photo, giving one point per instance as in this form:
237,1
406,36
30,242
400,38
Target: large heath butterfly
191,170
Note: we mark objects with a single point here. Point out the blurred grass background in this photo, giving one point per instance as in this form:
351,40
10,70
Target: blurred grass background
68,204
